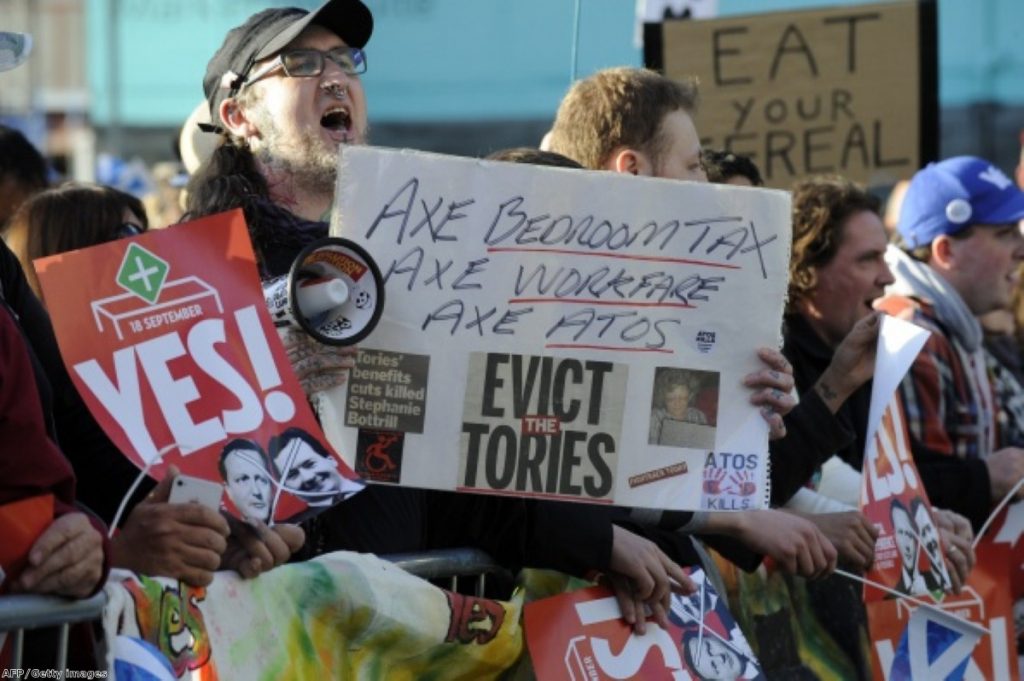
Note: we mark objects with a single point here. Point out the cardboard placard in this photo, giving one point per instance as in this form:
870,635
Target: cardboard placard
848,90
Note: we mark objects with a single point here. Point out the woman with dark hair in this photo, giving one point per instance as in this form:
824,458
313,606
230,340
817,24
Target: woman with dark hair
70,217
23,173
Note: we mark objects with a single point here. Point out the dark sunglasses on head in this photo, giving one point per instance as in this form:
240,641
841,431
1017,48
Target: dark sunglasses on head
307,62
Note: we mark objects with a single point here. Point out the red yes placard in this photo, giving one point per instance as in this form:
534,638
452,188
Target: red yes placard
167,338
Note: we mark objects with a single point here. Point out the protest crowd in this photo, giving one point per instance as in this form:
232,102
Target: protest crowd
283,100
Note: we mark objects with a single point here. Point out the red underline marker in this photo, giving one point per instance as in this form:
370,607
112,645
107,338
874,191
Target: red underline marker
584,301
650,258
607,347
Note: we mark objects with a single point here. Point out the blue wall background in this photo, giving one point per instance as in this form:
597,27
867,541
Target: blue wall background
458,60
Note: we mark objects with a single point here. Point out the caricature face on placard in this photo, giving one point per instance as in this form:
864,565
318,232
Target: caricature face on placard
908,553
167,337
582,636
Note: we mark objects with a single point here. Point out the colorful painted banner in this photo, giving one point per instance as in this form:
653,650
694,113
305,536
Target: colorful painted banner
560,333
167,337
791,624
909,557
340,616
581,636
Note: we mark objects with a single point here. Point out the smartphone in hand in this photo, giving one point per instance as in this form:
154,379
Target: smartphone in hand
186,488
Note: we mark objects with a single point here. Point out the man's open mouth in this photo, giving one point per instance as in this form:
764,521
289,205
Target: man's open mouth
336,119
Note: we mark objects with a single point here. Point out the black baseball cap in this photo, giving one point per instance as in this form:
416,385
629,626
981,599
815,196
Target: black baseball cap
268,32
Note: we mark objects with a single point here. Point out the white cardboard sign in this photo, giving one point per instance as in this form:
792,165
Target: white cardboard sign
560,333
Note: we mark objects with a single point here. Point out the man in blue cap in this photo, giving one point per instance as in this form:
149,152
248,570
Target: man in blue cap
961,249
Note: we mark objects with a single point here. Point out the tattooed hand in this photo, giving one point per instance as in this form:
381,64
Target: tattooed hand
318,367
853,363
771,388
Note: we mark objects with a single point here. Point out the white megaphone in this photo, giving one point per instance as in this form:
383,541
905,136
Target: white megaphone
334,292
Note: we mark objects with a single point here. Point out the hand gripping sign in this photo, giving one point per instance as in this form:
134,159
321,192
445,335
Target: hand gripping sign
167,338
560,333
581,636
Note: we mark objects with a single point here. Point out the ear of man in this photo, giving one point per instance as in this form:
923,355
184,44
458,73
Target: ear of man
236,121
626,160
943,253
233,116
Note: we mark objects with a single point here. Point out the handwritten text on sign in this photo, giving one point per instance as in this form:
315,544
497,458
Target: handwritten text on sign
585,334
808,92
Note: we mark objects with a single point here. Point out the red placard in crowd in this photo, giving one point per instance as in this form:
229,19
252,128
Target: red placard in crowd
581,636
167,338
984,601
908,552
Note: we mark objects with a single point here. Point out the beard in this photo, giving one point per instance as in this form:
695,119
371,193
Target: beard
307,159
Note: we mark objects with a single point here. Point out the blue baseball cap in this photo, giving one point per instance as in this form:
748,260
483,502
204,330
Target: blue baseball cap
949,196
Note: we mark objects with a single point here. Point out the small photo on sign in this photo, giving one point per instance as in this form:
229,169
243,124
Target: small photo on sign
379,455
684,408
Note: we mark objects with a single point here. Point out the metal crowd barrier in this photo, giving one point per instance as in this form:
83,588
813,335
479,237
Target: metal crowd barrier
448,564
18,613
21,613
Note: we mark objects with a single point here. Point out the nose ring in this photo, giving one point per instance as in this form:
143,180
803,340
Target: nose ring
336,90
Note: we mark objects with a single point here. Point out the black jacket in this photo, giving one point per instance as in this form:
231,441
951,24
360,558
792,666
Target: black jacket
960,485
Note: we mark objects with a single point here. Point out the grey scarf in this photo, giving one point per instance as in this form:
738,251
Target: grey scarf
914,278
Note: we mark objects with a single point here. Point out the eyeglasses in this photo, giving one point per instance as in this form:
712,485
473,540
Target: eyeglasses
306,63
127,230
